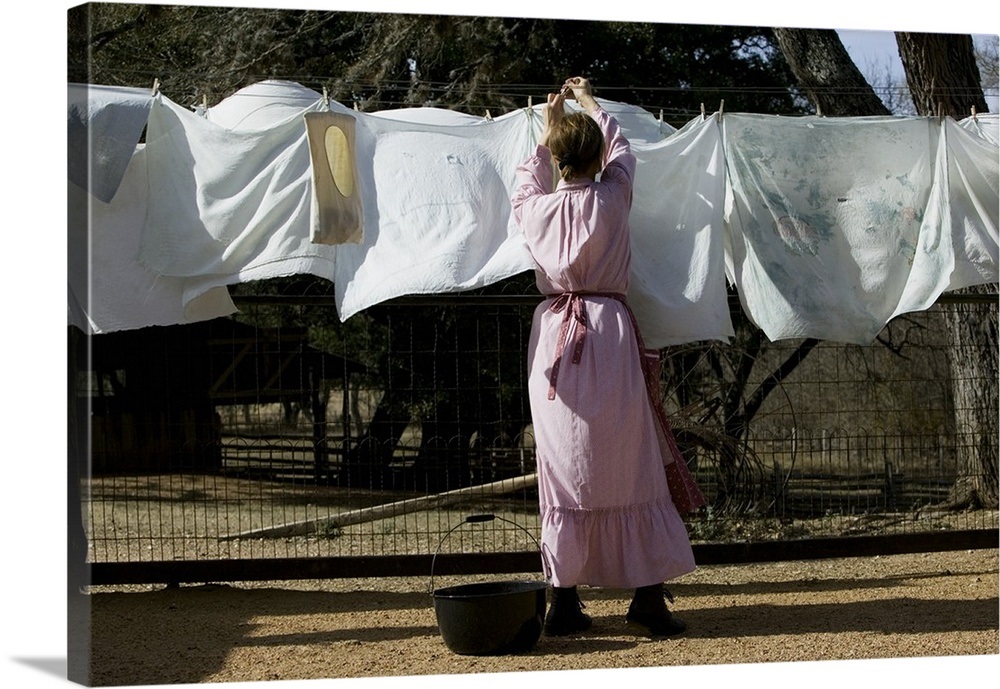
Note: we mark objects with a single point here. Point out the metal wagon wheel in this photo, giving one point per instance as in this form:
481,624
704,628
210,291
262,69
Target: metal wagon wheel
711,400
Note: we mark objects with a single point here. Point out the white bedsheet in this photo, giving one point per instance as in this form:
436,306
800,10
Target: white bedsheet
838,225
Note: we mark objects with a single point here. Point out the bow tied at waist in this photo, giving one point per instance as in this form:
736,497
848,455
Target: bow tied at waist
573,306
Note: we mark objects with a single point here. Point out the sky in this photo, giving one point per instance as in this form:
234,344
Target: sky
34,647
874,51
874,47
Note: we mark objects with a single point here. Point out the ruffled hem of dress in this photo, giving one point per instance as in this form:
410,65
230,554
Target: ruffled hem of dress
617,547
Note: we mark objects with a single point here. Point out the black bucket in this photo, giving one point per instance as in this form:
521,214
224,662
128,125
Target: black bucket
489,618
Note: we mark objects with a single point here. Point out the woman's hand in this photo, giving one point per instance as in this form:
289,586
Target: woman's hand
553,111
580,90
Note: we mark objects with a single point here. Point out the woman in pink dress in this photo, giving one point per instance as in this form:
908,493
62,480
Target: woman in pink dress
607,515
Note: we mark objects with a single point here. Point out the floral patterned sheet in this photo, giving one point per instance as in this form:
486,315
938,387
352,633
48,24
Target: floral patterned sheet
836,226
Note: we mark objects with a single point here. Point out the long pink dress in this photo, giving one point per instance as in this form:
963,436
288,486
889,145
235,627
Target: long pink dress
607,517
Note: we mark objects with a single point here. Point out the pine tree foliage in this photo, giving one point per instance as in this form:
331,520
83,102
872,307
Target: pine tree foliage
471,63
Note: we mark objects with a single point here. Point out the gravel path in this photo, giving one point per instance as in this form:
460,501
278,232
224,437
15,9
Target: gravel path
936,604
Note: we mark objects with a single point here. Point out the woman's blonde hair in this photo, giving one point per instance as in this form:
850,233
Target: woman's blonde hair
577,142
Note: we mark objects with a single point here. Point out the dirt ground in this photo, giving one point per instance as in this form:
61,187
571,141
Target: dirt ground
900,606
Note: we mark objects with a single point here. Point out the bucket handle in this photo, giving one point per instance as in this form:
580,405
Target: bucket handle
474,518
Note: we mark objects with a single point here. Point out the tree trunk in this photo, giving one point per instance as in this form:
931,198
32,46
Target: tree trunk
943,78
941,73
973,338
367,462
825,71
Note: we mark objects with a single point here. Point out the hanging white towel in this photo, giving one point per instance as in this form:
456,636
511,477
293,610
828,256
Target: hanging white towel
109,290
224,201
973,171
986,126
261,105
438,217
678,282
104,125
638,125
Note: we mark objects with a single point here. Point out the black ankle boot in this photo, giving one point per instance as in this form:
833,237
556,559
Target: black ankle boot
648,614
565,615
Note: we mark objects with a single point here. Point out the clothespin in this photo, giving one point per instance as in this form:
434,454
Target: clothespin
326,98
156,87
973,113
661,115
940,112
204,102
489,117
529,103
722,103
356,108
702,112
819,110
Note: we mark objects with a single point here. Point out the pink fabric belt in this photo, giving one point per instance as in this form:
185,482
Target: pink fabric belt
573,307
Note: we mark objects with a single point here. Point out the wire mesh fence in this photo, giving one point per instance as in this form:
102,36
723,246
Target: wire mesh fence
284,433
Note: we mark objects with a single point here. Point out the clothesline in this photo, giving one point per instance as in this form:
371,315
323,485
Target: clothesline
530,100
523,87
828,228
521,91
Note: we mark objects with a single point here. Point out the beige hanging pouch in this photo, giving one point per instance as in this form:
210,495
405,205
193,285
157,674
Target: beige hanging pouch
337,214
